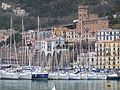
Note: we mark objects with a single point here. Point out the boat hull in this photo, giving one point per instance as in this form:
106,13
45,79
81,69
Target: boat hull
10,76
74,76
64,76
39,75
25,76
84,76
113,77
53,76
101,77
92,76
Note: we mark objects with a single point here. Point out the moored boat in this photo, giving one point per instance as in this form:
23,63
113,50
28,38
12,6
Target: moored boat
10,75
38,73
101,76
113,76
74,75
84,76
25,75
63,76
53,75
92,76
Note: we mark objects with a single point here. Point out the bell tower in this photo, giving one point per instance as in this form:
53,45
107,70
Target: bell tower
82,16
83,12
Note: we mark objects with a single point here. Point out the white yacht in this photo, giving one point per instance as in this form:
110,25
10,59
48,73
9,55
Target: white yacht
1,73
10,75
63,76
74,75
84,76
25,75
101,76
92,75
53,75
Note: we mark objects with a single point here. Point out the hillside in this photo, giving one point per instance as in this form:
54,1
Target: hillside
56,12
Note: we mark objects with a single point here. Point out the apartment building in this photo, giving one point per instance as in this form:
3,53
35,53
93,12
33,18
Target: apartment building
108,54
109,35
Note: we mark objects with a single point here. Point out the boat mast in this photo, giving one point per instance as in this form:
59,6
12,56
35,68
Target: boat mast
81,60
22,57
11,29
88,51
38,41
73,53
6,50
62,58
1,54
14,43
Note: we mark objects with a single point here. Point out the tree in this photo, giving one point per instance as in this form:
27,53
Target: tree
2,43
16,36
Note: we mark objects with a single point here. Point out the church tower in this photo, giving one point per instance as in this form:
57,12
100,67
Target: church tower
83,12
82,16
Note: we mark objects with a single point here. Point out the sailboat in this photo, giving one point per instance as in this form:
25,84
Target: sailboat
75,74
24,74
38,72
53,75
101,76
63,75
10,73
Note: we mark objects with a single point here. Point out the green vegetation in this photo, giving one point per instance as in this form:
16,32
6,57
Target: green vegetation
56,12
17,37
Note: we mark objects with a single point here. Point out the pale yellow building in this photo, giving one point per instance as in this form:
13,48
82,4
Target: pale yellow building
108,54
70,35
57,31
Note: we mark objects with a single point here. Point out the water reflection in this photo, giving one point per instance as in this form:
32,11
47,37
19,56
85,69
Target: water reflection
60,85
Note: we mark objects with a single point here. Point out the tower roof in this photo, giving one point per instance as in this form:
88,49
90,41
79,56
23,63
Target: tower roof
83,7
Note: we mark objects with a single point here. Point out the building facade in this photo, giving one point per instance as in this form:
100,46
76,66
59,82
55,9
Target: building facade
109,35
29,37
90,22
20,12
49,45
108,54
86,60
5,6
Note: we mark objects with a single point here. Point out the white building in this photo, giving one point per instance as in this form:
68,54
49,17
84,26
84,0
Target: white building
49,45
44,33
110,35
5,6
20,12
29,36
86,60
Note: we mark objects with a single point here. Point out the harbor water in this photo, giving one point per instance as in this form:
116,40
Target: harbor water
60,85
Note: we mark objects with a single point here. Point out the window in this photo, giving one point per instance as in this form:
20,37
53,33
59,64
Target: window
107,37
104,67
110,33
100,45
100,61
110,37
104,33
